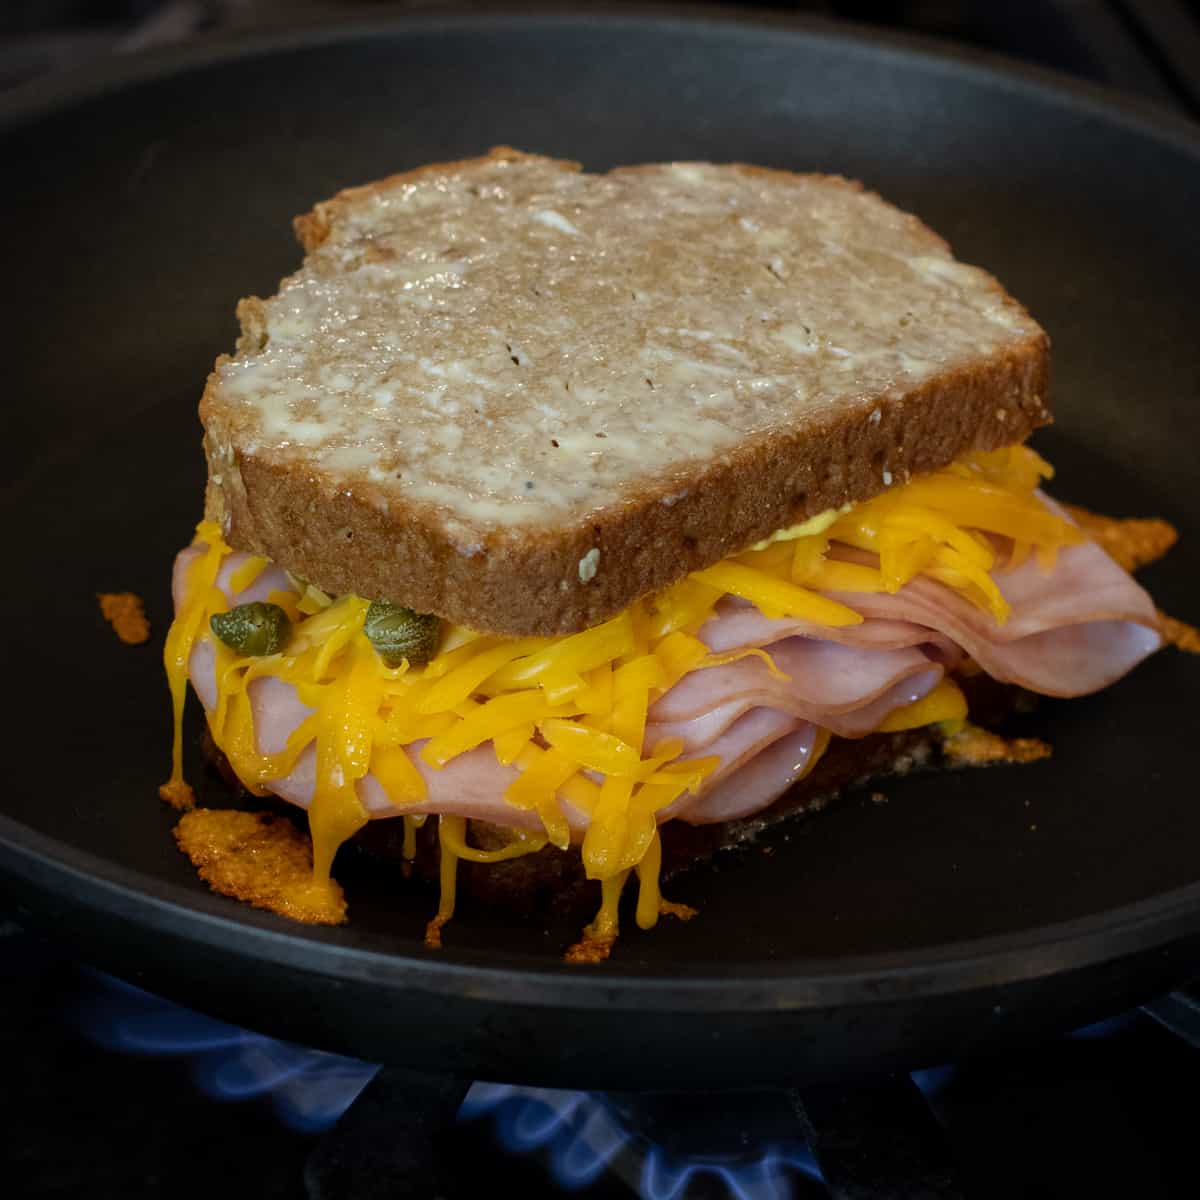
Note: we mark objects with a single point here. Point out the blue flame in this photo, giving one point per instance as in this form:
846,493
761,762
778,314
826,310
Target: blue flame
308,1089
578,1160
933,1080
581,1134
1104,1029
579,1130
766,1179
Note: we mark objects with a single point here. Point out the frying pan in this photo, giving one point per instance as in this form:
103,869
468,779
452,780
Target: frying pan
969,912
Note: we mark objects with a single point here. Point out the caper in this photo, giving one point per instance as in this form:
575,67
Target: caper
398,633
253,628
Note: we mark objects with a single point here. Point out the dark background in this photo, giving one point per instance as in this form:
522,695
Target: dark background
1147,47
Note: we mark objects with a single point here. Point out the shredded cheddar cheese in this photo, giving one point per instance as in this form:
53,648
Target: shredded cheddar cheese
569,713
1179,634
945,706
259,859
125,612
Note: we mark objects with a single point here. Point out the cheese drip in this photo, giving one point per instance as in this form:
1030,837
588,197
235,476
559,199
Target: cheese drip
569,713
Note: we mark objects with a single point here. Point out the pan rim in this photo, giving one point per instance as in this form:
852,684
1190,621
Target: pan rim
785,985
1150,924
44,96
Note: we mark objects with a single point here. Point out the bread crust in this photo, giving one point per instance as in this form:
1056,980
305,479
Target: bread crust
523,580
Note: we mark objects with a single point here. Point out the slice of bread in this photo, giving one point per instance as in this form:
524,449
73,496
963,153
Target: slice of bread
521,396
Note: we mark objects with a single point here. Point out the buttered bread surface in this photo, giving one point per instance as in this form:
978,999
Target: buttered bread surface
507,373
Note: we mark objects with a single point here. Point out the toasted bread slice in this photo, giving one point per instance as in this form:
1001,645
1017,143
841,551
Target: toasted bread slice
520,396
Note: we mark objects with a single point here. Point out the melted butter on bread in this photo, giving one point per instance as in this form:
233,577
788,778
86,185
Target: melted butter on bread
508,350
677,309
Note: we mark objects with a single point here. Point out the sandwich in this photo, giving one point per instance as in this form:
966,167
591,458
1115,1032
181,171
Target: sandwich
562,525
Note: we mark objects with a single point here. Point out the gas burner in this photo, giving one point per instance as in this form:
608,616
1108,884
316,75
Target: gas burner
385,1124
660,1146
308,1089
348,1130
375,1131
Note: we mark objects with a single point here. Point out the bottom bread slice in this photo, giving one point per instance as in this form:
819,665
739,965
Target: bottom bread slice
553,881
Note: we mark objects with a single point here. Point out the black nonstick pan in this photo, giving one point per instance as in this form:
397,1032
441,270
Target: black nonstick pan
970,911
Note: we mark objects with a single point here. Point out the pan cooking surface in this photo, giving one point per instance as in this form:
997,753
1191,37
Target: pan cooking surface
146,207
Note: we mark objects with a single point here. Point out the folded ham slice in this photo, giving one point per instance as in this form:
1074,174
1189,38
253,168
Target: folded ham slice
737,624
847,689
755,786
1073,630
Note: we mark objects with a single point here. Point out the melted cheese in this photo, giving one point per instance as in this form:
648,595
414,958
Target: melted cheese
126,613
570,712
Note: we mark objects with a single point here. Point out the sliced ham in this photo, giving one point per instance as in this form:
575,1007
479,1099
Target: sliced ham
269,579
700,733
756,784
472,786
1072,631
737,624
746,737
847,689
